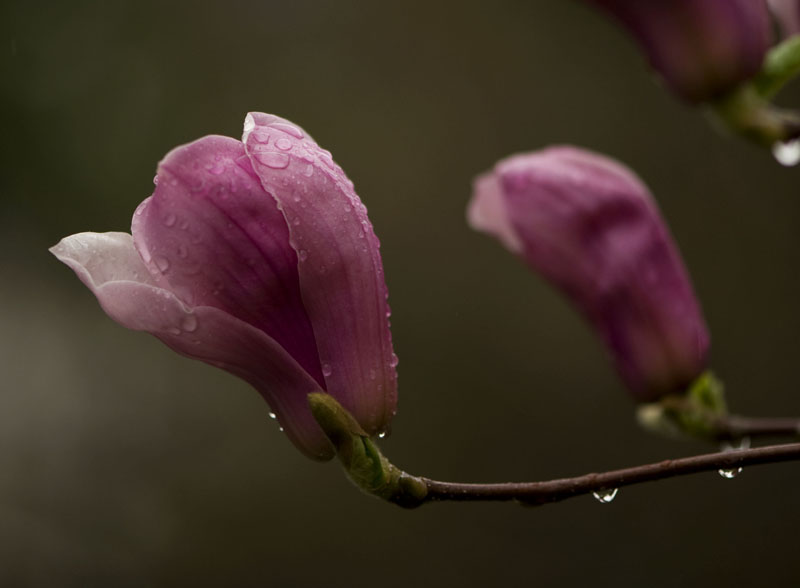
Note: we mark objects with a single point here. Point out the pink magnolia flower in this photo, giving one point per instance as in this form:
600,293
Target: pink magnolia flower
590,227
256,256
702,48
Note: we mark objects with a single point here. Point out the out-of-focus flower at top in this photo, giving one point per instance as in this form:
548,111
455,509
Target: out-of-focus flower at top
701,48
787,13
256,256
590,227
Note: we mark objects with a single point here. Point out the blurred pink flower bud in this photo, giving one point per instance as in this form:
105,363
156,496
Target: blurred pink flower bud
702,48
787,13
256,256
590,227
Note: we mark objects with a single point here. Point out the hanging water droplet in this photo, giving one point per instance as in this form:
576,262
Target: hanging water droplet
162,263
273,159
272,415
280,429
743,443
189,323
382,434
605,496
730,474
394,361
787,153
327,370
155,179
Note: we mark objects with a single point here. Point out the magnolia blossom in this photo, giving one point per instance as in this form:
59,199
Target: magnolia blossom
589,226
256,256
702,48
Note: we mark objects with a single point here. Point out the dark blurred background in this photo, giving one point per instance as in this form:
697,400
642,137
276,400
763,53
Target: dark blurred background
123,464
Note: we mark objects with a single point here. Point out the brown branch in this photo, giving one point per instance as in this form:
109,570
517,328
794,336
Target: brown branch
734,426
536,493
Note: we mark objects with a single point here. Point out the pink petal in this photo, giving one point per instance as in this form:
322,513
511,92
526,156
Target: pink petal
590,227
110,266
219,240
702,48
341,274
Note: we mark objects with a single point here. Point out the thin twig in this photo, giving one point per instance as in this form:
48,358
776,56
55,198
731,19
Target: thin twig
734,426
536,493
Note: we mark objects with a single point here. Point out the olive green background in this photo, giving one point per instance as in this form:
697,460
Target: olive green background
123,464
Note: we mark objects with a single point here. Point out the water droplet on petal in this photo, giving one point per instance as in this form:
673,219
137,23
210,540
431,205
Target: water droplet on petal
326,158
261,136
302,254
174,330
394,361
162,263
327,370
288,129
605,496
169,220
373,374
787,153
216,169
273,160
189,323
283,144
308,170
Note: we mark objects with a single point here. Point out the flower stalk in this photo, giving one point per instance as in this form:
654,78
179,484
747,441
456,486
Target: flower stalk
369,469
747,110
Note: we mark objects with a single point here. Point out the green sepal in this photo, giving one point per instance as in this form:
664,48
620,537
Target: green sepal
696,413
781,65
361,458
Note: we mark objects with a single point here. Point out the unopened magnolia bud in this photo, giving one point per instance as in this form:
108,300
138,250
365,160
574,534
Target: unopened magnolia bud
701,48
